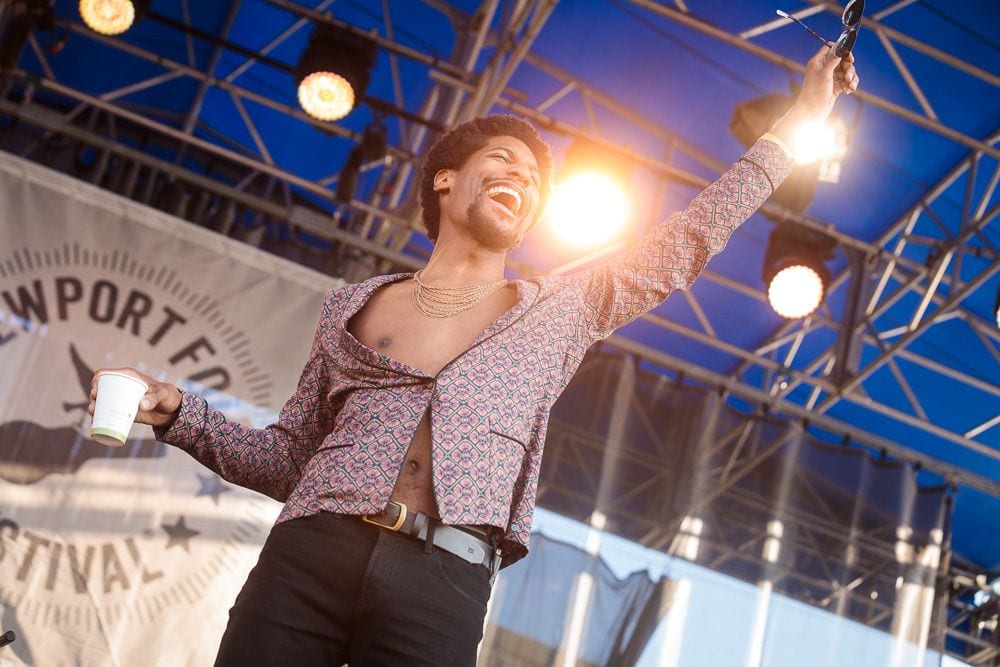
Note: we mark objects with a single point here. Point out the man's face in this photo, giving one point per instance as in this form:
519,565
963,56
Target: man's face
494,196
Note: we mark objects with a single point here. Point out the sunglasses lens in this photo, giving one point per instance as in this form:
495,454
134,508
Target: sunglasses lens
853,12
845,43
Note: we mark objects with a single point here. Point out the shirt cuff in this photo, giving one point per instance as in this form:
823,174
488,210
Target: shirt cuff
773,138
179,432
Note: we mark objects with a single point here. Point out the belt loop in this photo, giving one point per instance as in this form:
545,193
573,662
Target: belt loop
429,542
420,520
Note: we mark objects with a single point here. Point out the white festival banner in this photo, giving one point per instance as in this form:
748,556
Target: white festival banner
129,555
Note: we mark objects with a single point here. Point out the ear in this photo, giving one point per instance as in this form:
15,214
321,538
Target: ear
443,180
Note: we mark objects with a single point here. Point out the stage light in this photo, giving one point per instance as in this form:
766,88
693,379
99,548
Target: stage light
589,205
371,148
824,142
795,291
753,118
587,209
326,96
111,17
17,24
812,140
333,71
795,272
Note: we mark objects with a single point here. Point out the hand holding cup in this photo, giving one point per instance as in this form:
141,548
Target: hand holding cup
157,404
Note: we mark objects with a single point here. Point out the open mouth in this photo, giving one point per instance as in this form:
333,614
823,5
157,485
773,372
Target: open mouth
506,196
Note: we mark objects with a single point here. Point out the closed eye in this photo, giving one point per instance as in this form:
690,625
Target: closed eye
507,159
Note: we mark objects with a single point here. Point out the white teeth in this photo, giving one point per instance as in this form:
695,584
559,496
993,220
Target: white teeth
494,190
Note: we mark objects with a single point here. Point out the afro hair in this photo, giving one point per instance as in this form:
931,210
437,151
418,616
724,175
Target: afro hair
455,146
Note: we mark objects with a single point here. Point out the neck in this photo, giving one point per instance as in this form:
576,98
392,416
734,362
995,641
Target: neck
454,264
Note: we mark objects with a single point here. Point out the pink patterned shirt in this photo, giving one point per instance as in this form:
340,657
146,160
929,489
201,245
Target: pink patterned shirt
340,440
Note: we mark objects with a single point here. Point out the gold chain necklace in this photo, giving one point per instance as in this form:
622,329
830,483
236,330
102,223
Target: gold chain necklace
448,301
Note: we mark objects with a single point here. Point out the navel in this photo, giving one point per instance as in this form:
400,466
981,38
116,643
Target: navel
384,342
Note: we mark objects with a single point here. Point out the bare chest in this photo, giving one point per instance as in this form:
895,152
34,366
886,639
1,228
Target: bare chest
389,323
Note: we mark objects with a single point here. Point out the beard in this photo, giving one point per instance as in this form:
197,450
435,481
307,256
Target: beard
484,229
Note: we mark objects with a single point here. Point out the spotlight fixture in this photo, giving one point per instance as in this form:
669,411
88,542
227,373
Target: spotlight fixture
589,205
371,148
112,17
795,270
753,118
824,142
17,24
819,148
333,71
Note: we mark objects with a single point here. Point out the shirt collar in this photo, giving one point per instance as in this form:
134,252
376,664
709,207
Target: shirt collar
527,291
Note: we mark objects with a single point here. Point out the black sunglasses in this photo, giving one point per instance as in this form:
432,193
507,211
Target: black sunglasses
852,24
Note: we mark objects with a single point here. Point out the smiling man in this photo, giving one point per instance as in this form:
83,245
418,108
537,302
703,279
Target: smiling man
408,458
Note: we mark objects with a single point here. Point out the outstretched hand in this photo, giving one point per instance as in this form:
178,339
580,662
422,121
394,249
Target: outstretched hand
826,77
158,407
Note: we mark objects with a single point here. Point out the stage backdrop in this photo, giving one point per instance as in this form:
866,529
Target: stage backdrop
131,555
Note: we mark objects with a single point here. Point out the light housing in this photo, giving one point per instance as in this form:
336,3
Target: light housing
112,17
823,142
753,118
795,273
333,71
372,147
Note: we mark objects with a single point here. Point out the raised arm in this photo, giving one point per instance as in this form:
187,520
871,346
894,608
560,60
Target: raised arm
676,250
268,460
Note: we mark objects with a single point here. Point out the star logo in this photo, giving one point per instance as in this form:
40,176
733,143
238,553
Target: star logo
211,485
179,534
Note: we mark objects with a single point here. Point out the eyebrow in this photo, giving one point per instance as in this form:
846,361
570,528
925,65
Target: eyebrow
514,155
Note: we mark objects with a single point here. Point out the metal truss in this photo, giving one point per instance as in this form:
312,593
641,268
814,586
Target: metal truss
460,92
710,491
921,258
718,485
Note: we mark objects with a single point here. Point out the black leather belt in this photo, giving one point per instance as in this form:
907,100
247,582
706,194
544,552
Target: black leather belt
469,546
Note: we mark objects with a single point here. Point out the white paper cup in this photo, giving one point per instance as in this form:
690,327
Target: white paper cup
118,396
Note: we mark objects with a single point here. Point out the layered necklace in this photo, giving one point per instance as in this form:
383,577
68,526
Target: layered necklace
448,301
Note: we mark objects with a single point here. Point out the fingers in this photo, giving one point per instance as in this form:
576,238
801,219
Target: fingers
160,397
824,59
152,398
93,391
853,84
845,77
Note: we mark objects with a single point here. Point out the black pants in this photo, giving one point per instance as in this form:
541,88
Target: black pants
330,590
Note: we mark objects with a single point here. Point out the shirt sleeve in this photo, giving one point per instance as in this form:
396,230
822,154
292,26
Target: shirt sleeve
268,460
676,250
